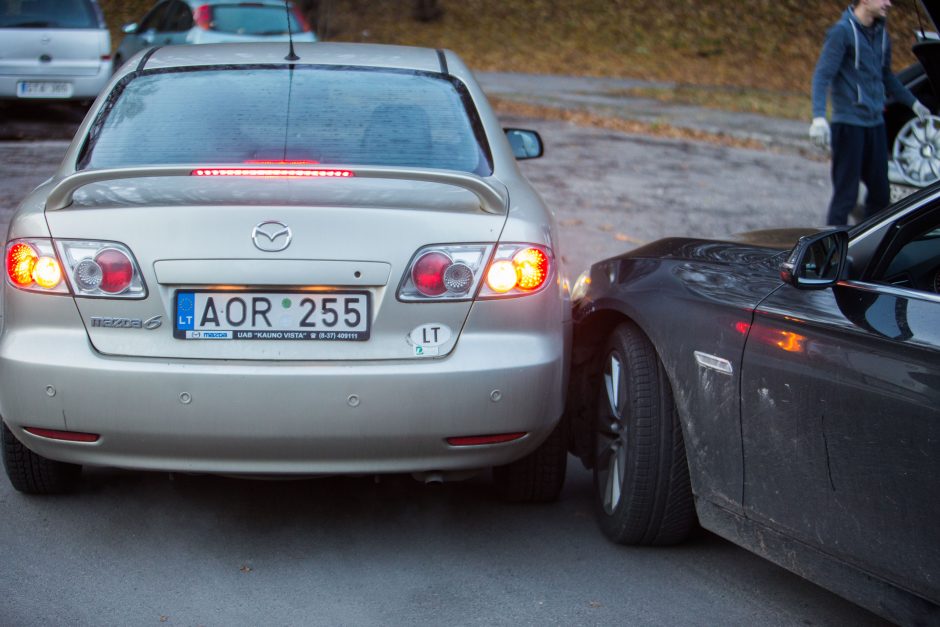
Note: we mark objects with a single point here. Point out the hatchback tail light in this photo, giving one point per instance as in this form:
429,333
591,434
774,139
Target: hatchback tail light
32,265
455,272
447,272
518,269
203,17
101,269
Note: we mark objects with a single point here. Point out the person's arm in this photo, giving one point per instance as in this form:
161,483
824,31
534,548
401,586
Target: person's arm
830,58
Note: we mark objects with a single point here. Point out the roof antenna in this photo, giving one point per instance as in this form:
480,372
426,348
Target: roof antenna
291,56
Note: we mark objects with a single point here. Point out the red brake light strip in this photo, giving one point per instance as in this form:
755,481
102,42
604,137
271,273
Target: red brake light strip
273,172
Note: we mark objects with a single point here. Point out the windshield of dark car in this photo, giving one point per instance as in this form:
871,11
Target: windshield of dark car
311,114
47,14
252,20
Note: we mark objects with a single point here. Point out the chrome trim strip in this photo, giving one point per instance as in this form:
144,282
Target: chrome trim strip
892,290
718,364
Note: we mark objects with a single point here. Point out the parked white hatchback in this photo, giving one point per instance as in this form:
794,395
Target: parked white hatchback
53,50
270,260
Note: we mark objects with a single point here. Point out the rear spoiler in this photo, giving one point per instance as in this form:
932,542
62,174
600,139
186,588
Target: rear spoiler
491,199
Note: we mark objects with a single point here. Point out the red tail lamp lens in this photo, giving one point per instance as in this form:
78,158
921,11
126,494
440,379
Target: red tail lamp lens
531,268
479,440
203,17
117,271
428,273
21,260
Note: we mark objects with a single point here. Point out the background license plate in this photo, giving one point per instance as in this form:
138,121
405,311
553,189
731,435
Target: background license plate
43,89
272,316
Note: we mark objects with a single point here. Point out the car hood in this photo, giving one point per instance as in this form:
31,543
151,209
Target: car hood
757,257
722,272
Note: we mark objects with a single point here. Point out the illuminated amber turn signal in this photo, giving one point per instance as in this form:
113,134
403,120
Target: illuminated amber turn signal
501,276
47,272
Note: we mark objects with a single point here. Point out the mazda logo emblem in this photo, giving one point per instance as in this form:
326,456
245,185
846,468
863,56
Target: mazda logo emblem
271,236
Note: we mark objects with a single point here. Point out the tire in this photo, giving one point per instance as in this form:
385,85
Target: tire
642,493
539,476
33,474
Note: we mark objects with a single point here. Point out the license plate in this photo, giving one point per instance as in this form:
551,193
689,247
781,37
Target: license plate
43,89
330,316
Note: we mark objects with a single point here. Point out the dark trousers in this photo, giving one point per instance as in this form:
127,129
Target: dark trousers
859,153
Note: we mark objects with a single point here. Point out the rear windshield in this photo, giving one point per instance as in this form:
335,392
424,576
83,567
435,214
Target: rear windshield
310,114
252,20
47,14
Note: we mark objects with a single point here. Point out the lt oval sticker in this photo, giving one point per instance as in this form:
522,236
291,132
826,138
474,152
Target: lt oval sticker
432,334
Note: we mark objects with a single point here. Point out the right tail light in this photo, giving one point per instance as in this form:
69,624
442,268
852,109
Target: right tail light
459,271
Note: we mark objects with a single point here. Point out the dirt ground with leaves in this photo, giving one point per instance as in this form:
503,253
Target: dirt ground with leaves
763,45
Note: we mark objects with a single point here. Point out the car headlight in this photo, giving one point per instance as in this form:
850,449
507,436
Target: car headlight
581,286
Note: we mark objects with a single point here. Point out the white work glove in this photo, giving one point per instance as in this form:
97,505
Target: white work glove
819,133
920,110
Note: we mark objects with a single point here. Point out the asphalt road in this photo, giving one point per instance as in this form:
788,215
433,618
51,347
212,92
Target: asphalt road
148,548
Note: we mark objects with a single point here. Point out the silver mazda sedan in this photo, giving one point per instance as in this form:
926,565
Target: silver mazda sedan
269,260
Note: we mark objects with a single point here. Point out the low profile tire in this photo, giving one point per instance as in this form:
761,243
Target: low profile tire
539,476
642,493
33,474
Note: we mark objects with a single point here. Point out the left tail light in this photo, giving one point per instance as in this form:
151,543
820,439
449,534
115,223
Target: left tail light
32,265
101,269
89,268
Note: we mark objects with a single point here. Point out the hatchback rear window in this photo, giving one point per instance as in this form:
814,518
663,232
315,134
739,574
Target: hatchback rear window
47,14
252,20
309,114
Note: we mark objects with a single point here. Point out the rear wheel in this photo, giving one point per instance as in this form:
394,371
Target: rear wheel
641,478
539,476
33,474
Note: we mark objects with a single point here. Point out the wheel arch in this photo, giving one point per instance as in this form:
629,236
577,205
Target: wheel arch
590,334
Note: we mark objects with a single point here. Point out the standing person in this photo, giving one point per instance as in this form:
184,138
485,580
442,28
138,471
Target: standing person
854,68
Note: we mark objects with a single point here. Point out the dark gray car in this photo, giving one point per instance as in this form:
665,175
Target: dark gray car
786,400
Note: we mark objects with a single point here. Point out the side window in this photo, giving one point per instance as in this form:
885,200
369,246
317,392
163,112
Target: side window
179,18
912,259
153,19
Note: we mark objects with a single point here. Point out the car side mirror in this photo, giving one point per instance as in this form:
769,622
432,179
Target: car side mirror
525,144
130,29
817,261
